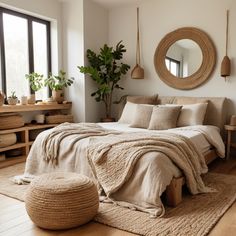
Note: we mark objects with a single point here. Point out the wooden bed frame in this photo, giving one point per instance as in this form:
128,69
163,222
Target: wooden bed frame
216,115
174,190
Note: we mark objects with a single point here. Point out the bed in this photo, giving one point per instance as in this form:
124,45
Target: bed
151,174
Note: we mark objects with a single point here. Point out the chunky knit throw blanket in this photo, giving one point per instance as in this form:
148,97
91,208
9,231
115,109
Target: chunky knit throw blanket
112,155
51,143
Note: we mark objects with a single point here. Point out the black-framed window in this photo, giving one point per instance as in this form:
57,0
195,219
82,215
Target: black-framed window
24,48
173,66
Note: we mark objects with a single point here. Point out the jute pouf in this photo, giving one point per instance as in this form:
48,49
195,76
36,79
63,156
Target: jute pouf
61,200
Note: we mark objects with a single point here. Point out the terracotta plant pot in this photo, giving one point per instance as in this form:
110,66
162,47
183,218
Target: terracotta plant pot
31,99
58,95
108,119
2,97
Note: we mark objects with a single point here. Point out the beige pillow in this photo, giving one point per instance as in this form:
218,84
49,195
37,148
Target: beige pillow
143,99
192,114
142,116
128,113
164,117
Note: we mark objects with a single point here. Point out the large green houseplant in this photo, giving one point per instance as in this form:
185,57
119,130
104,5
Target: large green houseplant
106,69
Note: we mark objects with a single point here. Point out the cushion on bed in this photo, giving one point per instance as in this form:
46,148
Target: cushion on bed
192,114
142,116
128,113
164,117
143,99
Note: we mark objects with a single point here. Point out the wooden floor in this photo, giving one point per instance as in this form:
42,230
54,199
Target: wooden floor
14,220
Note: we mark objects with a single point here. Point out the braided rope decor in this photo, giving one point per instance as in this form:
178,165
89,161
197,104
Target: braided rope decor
61,200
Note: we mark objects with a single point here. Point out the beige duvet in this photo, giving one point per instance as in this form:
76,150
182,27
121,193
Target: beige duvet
148,178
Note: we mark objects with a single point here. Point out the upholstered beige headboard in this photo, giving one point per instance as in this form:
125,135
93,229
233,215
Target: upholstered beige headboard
216,109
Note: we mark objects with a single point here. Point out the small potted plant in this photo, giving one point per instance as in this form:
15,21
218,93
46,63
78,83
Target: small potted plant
36,82
2,97
57,83
12,99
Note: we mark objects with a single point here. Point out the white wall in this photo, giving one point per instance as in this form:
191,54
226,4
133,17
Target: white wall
95,36
73,54
159,17
84,26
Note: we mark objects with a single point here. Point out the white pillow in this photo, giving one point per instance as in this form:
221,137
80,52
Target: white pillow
192,114
142,116
128,113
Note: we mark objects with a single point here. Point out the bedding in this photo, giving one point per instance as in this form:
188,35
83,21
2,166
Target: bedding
128,113
142,116
164,117
142,187
191,114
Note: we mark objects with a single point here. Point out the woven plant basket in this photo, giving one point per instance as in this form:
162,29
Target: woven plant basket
7,140
11,121
57,119
61,200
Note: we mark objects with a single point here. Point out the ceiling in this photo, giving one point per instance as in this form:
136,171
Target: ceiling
115,3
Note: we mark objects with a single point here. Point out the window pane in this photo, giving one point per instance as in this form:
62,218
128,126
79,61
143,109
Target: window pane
40,54
167,61
173,68
16,53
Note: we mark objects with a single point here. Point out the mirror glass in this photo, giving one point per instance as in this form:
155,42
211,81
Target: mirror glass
183,58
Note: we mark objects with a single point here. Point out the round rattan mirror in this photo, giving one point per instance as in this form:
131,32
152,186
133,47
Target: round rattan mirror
206,66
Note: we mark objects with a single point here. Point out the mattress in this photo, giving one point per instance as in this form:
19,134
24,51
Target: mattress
197,138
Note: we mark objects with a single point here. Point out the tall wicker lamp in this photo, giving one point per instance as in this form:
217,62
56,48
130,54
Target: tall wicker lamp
225,64
138,71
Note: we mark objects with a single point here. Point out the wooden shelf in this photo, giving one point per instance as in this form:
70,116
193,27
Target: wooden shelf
28,127
15,146
12,161
23,108
23,133
39,126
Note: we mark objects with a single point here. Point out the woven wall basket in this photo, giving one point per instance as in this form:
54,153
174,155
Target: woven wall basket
11,121
57,119
61,200
7,139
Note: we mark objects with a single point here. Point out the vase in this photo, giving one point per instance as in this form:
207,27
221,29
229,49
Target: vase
58,95
23,100
31,99
12,101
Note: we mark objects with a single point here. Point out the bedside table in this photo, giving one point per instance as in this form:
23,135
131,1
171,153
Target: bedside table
229,129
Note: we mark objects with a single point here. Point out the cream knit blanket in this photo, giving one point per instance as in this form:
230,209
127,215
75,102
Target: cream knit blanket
51,143
112,158
112,155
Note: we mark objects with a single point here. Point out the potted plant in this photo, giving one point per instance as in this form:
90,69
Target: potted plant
57,83
12,99
2,97
106,70
36,82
